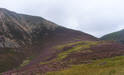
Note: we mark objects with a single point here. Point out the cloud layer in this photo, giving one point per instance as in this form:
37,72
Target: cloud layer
96,17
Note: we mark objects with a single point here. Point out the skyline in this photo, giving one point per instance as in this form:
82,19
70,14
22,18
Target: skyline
90,16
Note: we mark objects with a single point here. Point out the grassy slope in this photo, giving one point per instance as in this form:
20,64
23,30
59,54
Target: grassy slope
71,48
76,59
108,66
76,47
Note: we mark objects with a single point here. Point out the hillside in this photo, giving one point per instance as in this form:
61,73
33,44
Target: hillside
76,58
107,66
31,45
17,30
25,37
115,36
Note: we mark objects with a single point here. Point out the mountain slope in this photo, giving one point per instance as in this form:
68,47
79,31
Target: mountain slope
115,36
17,30
31,45
24,37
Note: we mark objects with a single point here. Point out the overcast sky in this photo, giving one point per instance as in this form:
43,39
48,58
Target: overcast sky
96,17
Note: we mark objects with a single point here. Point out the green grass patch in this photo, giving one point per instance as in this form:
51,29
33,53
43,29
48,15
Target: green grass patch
75,43
26,61
108,66
67,45
76,47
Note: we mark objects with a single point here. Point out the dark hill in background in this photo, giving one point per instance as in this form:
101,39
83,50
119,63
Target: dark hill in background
115,36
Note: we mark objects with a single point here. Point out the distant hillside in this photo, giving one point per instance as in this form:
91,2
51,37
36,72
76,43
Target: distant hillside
115,36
